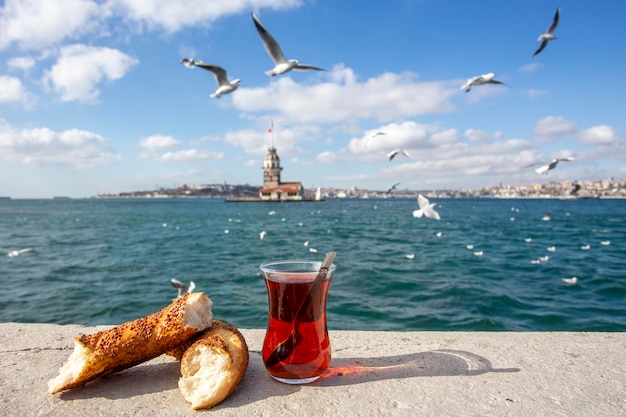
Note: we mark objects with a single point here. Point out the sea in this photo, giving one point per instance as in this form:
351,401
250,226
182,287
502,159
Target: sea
487,265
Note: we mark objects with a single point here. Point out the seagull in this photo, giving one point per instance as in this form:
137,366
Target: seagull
369,140
426,209
543,169
281,64
570,281
410,255
547,217
469,247
479,253
393,187
224,86
395,152
480,80
605,242
262,234
544,38
551,248
585,247
528,239
15,253
182,288
544,258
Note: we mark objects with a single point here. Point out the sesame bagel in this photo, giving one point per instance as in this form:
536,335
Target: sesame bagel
131,343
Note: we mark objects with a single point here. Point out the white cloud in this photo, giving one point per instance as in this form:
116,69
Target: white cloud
42,146
553,126
599,135
530,68
476,135
12,90
533,93
343,98
35,24
80,68
154,144
23,63
409,135
175,15
190,155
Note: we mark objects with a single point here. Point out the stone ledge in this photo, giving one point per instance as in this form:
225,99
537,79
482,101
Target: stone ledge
372,374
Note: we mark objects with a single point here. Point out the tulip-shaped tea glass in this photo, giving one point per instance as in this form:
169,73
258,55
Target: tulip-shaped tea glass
296,348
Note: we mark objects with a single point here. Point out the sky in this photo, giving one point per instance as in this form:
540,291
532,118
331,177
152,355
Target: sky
94,98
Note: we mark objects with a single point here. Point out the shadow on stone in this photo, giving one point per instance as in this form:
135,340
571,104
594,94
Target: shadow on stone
136,381
444,362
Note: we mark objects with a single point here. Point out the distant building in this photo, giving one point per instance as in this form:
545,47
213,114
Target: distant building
273,188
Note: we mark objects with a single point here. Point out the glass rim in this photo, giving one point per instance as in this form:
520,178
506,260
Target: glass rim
267,266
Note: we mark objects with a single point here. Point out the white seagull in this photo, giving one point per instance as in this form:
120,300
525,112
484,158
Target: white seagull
570,281
224,86
426,209
182,288
369,140
480,80
262,234
543,169
544,38
281,64
395,152
15,253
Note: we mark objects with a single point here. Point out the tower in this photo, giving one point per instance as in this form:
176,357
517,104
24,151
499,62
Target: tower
271,169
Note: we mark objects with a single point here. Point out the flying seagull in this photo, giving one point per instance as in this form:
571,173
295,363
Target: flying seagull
15,253
544,38
543,169
281,64
426,209
393,187
369,140
182,288
224,86
480,80
395,152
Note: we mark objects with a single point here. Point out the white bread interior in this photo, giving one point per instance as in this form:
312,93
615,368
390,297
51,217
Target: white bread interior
213,366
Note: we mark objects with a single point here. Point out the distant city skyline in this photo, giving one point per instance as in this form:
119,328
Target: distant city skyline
97,101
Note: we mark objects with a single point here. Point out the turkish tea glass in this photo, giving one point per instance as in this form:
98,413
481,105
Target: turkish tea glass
296,348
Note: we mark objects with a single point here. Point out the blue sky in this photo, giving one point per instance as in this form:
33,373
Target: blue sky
94,99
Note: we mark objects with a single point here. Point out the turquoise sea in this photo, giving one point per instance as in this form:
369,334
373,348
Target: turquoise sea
109,261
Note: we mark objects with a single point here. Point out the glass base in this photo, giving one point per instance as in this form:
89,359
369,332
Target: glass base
296,381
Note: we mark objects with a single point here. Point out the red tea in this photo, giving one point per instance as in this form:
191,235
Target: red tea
311,355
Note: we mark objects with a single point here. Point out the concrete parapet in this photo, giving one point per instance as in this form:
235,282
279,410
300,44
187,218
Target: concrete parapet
372,374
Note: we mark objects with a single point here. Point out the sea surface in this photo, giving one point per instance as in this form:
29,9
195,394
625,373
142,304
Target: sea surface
97,261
